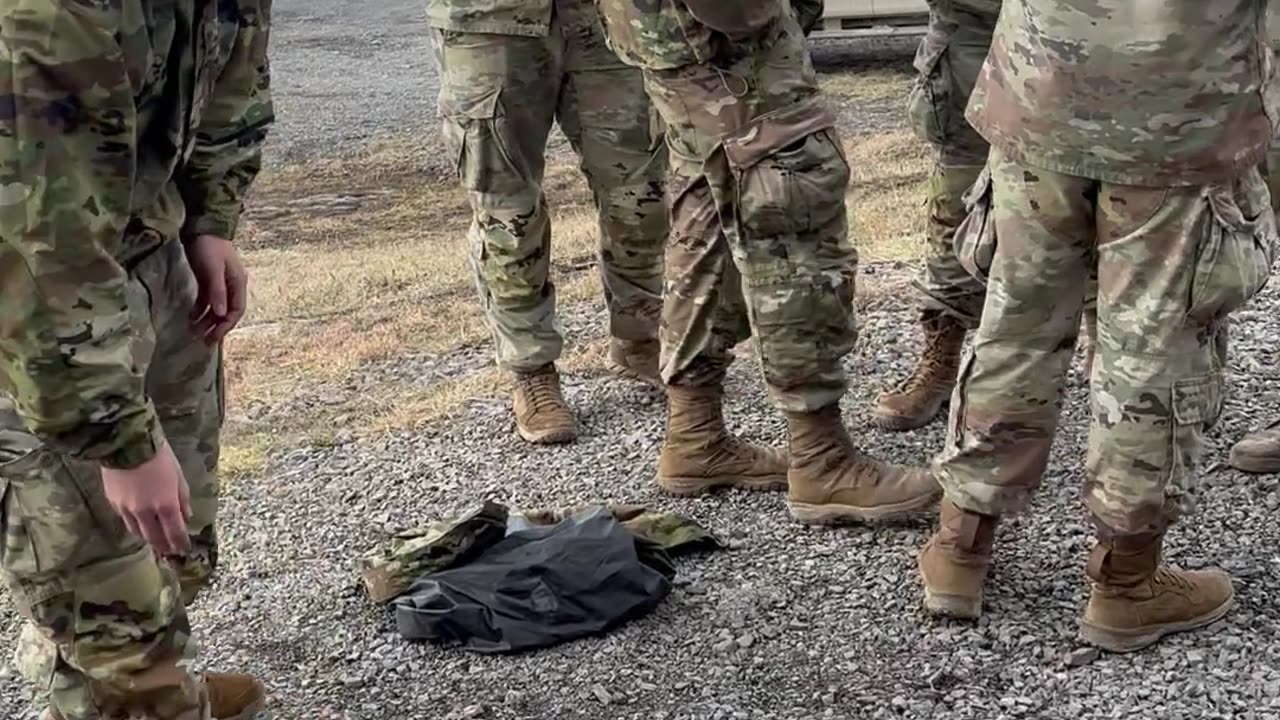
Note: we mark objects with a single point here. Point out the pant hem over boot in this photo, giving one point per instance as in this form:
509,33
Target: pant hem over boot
632,360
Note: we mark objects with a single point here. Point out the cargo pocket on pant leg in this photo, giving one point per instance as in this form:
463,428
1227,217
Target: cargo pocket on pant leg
56,514
1197,403
975,238
928,100
789,177
789,174
1233,262
474,136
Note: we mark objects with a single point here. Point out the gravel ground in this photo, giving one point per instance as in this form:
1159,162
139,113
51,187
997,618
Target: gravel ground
790,622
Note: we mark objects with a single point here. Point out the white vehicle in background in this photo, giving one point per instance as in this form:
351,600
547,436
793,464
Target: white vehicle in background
872,18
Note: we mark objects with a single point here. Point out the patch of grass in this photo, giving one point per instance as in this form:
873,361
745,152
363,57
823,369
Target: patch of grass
867,86
245,455
887,196
361,259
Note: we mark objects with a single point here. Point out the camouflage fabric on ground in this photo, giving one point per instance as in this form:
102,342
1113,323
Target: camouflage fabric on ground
389,571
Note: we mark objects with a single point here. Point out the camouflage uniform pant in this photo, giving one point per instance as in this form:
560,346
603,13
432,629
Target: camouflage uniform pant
1171,264
107,625
948,62
759,236
499,96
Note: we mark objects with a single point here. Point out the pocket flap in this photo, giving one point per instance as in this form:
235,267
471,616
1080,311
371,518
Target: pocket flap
481,106
775,130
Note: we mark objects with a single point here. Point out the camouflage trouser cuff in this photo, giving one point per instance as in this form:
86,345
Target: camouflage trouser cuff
966,310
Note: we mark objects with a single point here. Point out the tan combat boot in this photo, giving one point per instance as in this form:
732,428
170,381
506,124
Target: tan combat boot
953,564
699,454
634,360
234,696
231,696
830,480
920,397
542,415
1136,601
1258,452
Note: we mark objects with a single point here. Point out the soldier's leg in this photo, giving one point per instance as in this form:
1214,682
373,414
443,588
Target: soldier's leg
497,102
1172,263
107,630
948,61
606,114
1259,451
184,381
1004,412
777,175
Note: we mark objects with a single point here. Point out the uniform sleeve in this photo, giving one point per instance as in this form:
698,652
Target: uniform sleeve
233,127
67,163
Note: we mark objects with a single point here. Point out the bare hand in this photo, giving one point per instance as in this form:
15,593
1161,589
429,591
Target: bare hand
222,284
153,501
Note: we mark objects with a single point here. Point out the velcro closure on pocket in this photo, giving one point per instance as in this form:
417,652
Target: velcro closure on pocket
775,130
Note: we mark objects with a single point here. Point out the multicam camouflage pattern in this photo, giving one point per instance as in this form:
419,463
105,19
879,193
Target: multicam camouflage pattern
499,95
1158,94
120,188
63,542
107,158
389,571
528,18
948,61
757,188
1172,263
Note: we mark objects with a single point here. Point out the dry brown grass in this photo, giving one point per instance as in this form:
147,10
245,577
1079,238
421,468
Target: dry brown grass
338,286
886,200
333,292
868,86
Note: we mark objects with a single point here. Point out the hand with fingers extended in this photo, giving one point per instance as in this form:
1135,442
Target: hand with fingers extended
153,501
222,283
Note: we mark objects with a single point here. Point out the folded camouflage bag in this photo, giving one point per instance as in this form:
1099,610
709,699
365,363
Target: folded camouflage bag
542,585
408,555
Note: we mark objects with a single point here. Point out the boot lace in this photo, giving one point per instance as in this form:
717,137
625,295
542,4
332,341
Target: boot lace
543,393
1168,578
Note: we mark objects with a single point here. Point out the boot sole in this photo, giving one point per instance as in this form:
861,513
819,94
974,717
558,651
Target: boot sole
695,486
1119,640
834,514
626,373
552,437
1254,465
960,607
